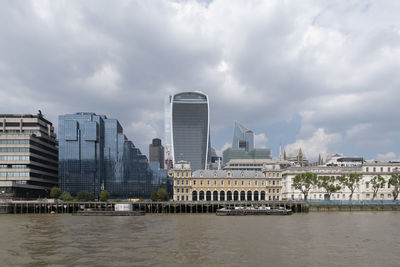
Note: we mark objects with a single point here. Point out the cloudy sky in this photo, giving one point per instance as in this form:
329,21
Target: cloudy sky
321,75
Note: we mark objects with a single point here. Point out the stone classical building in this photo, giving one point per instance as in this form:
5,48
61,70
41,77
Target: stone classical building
225,185
363,191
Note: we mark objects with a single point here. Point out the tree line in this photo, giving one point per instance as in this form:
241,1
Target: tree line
82,195
306,181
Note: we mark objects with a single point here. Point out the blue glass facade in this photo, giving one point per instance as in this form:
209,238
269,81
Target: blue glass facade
94,154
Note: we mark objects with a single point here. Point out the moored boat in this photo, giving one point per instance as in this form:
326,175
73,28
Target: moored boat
110,213
242,211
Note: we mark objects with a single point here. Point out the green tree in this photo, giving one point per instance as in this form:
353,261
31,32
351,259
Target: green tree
55,192
395,181
84,195
154,196
350,181
304,182
329,184
66,196
377,182
104,195
160,195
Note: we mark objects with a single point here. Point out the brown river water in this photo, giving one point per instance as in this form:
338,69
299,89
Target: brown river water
313,239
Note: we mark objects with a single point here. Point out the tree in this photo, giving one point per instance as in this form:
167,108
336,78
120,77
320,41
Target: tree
55,192
66,196
304,182
350,181
377,182
104,195
160,195
395,181
328,183
84,195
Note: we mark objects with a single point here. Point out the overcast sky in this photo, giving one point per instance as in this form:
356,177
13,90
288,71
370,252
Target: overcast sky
321,75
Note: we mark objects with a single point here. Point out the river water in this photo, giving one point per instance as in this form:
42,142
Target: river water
313,239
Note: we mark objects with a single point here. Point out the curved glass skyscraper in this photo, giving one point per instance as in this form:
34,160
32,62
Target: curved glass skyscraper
190,129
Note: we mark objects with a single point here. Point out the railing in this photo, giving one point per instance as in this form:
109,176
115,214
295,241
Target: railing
353,202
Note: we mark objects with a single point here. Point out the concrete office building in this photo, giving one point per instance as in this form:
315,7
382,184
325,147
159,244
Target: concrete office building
156,152
28,156
190,128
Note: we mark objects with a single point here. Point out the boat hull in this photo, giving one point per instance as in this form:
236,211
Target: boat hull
109,213
238,212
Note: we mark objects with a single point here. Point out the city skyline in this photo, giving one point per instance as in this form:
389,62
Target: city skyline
316,75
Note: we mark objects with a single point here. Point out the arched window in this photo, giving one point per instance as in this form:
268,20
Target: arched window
222,196
255,195
201,195
236,195
262,195
242,196
194,195
215,196
208,195
229,195
249,196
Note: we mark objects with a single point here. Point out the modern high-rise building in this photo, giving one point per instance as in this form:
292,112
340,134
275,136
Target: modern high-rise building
190,129
96,155
243,138
156,152
28,156
243,146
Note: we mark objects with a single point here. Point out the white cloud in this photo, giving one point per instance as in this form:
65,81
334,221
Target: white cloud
389,156
225,146
319,142
260,140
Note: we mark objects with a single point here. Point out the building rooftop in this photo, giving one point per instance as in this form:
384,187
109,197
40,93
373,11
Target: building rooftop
225,174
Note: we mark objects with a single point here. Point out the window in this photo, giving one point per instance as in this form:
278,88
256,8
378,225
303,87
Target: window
366,169
187,190
344,196
177,190
242,182
236,182
208,182
277,197
338,196
222,182
248,183
277,190
381,169
269,182
388,169
273,182
229,182
194,182
277,174
382,196
201,182
187,182
187,198
367,184
273,175
273,191
262,183
277,182
177,182
368,195
255,182
374,169
177,174
388,185
269,191
215,182
177,197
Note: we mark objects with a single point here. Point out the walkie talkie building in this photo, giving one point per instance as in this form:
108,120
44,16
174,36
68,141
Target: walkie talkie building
190,129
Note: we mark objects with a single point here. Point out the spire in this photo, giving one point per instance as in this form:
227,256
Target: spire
280,151
284,155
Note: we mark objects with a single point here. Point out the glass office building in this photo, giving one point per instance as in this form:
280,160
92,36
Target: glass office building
95,155
243,146
190,129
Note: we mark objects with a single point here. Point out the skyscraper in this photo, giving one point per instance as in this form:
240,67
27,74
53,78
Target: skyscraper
243,146
243,138
95,155
190,131
28,156
156,152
